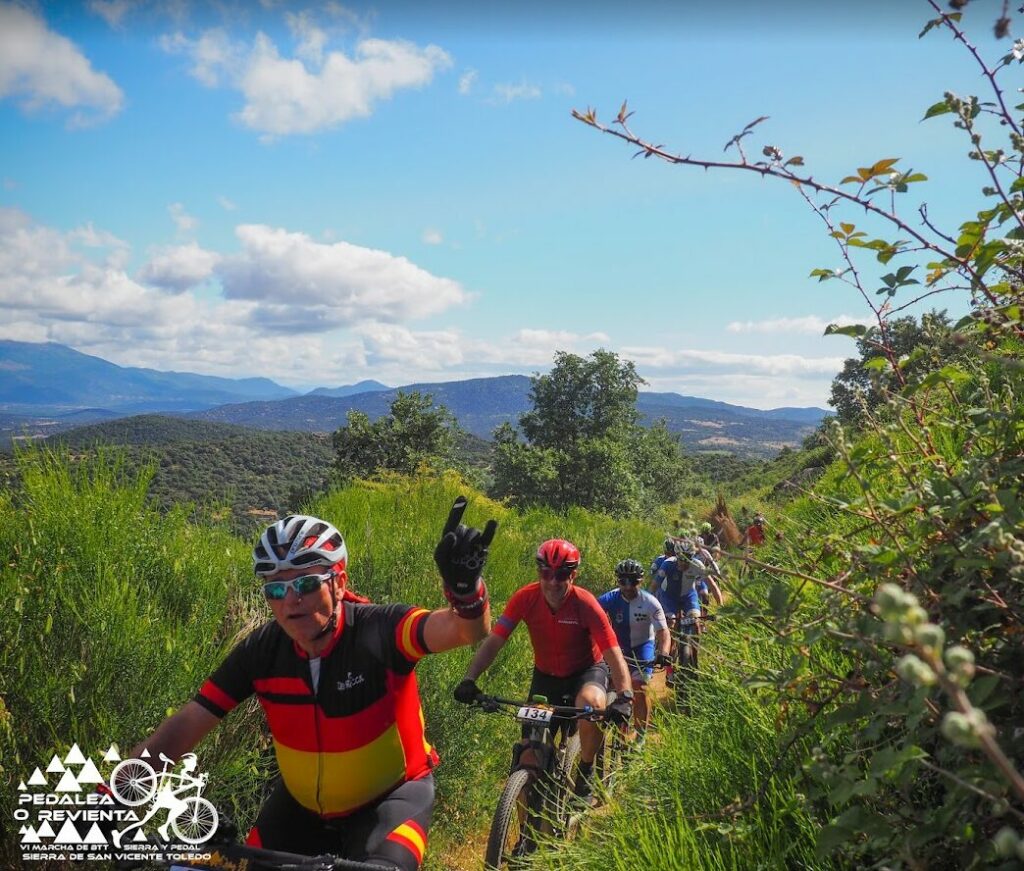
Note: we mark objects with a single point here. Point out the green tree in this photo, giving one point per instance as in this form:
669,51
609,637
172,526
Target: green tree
584,444
923,347
413,433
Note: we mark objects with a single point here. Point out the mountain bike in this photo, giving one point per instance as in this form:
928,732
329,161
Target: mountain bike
686,636
226,853
539,800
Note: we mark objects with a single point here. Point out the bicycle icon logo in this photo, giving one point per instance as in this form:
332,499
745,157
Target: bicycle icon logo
134,782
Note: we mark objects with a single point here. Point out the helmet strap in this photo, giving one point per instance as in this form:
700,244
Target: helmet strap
333,621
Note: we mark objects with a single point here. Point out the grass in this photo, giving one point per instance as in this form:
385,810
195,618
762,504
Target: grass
117,613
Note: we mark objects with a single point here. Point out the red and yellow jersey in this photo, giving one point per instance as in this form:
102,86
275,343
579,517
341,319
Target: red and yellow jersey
565,641
356,733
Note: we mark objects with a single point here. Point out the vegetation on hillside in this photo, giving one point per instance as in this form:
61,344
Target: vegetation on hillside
893,599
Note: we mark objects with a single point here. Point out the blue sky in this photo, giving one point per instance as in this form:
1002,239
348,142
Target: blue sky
321,193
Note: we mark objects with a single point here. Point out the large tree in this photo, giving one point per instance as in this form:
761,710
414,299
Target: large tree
583,445
411,435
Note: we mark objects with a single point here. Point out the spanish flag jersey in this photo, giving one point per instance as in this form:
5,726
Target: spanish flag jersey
356,733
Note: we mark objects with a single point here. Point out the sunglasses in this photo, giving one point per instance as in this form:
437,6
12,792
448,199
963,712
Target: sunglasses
278,590
633,582
560,574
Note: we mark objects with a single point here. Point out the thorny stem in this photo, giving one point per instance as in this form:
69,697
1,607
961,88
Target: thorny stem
764,169
989,74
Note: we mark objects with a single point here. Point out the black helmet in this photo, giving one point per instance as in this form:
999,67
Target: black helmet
670,546
630,568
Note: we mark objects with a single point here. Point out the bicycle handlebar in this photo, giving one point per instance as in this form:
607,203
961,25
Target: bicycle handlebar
490,704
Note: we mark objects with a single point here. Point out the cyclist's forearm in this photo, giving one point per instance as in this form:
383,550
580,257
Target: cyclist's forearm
716,591
663,641
484,656
621,680
179,733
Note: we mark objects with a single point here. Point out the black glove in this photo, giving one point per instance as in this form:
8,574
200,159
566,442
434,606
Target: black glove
620,710
662,659
467,691
461,555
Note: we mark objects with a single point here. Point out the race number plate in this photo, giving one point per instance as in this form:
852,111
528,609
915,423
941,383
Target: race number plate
534,715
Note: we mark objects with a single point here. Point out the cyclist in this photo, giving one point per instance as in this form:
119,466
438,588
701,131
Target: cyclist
682,579
709,538
669,551
754,535
335,677
574,648
639,623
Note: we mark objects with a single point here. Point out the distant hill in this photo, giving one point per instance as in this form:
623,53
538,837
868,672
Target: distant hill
51,379
254,473
368,386
481,404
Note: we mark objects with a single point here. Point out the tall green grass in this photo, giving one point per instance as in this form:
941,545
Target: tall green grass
712,790
116,613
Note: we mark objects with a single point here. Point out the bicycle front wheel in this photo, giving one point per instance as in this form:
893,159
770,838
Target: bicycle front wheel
687,670
512,834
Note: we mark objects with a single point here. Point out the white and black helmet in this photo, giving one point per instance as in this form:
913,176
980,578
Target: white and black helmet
296,542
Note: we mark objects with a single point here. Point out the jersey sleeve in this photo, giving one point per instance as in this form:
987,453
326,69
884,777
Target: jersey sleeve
231,683
657,613
510,617
598,624
407,624
606,600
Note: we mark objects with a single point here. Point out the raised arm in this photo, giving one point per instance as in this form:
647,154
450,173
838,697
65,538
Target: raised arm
461,555
446,629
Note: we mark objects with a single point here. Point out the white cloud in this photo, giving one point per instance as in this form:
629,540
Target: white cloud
782,365
808,324
44,68
112,11
215,56
180,267
507,92
432,236
226,204
301,282
466,82
182,219
314,90
71,287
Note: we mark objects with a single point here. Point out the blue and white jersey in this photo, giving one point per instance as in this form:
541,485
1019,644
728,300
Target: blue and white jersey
634,622
681,584
656,565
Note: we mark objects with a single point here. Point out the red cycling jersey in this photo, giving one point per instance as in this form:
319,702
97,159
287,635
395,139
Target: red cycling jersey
565,641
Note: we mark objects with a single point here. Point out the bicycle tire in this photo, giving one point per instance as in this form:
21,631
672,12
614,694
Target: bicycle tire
511,822
610,759
563,808
687,670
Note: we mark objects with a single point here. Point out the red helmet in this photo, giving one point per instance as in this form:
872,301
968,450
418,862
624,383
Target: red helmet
557,553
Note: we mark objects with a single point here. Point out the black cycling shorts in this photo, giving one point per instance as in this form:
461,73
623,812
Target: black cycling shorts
563,690
392,831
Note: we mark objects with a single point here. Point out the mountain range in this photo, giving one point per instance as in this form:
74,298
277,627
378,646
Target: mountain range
48,388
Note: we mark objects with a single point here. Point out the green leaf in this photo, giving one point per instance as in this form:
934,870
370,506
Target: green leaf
852,330
940,108
831,838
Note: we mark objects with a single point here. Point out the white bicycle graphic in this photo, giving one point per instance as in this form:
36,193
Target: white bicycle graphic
134,782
